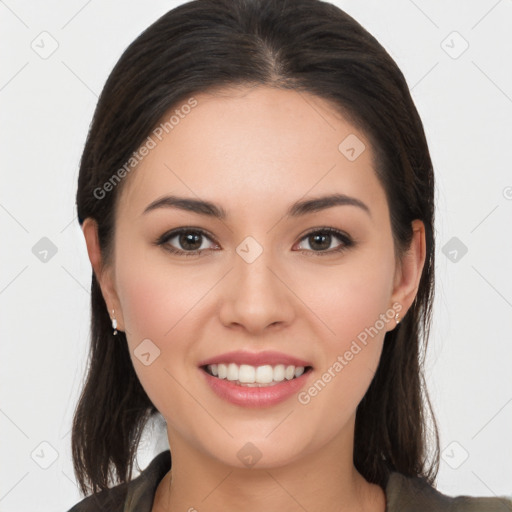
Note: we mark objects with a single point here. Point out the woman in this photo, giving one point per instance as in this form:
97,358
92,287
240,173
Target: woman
256,195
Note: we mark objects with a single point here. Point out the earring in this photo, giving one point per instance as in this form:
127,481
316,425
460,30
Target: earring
114,323
397,319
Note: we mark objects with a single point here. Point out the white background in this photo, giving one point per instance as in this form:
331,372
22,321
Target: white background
46,107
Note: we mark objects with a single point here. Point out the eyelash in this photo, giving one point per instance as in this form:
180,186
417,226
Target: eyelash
348,242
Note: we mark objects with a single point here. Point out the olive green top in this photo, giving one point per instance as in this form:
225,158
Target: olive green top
403,494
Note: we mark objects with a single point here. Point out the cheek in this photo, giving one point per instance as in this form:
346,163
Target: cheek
156,295
145,304
352,297
164,305
355,306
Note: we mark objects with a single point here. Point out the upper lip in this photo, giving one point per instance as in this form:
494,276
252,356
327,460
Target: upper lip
269,357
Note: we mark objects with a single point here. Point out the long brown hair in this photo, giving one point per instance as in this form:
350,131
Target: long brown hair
305,45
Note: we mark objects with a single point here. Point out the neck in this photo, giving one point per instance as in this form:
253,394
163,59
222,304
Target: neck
325,480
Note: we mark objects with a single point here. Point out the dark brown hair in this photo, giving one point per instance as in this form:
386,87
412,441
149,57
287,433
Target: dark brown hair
304,45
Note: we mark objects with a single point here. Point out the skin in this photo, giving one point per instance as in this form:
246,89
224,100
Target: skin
255,151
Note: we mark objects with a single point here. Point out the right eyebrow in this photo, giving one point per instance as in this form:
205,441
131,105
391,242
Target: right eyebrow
297,209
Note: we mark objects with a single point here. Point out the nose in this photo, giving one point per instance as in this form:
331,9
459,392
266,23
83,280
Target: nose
256,296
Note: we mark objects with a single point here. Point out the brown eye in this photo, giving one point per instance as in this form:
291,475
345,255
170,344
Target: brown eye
320,241
184,241
190,241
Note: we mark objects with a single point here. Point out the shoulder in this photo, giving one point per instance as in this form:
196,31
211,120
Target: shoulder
136,495
408,494
111,500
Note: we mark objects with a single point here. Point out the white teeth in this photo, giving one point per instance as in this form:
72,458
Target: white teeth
232,371
299,371
279,372
247,374
264,374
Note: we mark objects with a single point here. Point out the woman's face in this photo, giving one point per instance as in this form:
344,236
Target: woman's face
268,277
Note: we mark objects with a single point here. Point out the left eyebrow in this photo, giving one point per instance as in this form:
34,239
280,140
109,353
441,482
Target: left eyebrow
321,203
297,209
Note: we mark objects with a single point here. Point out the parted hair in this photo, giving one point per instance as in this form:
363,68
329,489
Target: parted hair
302,45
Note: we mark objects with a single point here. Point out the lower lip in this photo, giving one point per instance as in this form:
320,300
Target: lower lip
255,396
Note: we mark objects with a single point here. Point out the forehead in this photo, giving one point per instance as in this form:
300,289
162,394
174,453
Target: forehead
253,146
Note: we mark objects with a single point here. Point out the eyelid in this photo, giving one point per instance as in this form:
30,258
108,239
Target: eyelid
347,240
169,235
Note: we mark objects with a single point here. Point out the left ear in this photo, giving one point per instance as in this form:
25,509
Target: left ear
409,270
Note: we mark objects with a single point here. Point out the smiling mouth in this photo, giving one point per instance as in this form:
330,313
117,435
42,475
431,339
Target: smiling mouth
255,376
